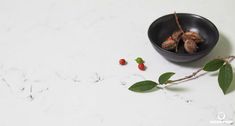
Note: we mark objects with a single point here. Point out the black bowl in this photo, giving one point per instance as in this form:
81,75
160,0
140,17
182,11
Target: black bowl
164,26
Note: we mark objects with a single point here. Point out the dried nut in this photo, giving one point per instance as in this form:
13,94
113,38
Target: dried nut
169,44
192,36
190,46
177,35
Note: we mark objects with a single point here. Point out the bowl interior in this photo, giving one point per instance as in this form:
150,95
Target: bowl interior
164,26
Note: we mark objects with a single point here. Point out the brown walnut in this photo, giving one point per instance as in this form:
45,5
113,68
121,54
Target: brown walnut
190,46
192,36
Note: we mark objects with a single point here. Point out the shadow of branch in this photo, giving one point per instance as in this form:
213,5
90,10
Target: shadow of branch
176,89
151,90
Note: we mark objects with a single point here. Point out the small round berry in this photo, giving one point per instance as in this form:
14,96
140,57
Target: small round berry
122,62
141,66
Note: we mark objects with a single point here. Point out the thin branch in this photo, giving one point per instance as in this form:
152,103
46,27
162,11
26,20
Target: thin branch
179,26
177,22
177,46
195,75
186,77
193,78
229,58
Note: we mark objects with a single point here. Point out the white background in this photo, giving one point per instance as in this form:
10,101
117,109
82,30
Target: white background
59,64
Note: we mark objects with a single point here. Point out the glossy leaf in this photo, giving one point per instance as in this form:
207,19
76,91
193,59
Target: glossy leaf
143,86
213,65
165,77
225,77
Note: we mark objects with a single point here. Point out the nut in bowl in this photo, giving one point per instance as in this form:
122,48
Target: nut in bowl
183,37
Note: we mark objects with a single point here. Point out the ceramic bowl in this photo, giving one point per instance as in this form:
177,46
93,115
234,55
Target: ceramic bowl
164,26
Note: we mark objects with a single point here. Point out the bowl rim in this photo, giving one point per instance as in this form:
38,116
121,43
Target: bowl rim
185,54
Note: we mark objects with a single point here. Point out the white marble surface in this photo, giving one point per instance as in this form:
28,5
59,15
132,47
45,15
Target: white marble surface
59,64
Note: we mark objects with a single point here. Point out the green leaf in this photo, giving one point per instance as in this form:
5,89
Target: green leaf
143,86
213,65
165,77
225,77
139,60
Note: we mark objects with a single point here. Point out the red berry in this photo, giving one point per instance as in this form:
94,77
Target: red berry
122,61
141,66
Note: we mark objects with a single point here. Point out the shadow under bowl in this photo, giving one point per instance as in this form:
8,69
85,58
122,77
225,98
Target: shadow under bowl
164,26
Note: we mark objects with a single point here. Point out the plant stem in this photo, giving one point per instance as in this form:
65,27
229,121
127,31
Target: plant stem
228,59
186,77
179,26
177,22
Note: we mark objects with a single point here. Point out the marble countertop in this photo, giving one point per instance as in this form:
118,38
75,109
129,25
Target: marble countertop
59,65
